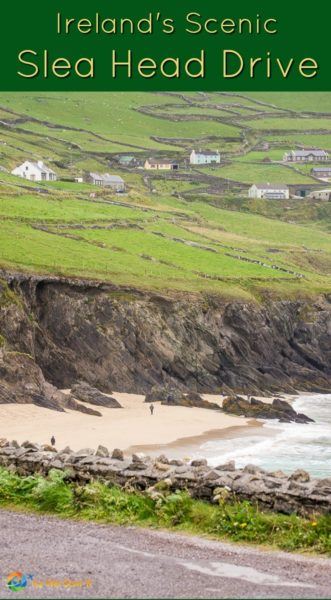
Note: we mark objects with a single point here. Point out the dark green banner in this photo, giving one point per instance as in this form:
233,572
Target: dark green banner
165,45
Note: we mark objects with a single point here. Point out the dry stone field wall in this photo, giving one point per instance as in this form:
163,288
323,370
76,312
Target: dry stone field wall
295,493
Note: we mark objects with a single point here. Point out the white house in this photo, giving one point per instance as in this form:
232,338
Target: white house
269,191
35,171
205,157
300,156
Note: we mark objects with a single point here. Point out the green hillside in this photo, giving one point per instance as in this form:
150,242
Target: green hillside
193,230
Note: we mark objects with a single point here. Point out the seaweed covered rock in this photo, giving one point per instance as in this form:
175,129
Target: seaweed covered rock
278,409
169,396
163,393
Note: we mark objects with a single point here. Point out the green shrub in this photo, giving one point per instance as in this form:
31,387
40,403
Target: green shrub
235,521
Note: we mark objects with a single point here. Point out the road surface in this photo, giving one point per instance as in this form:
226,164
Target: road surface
67,559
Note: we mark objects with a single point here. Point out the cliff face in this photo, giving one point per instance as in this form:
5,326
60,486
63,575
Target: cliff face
128,340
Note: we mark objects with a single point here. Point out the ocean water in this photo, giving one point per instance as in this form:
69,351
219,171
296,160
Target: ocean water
285,446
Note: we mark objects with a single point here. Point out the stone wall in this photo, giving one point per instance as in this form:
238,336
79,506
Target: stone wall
297,492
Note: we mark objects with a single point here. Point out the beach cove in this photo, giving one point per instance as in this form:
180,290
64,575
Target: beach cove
181,432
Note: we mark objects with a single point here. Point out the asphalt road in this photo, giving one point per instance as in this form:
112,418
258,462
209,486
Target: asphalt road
69,559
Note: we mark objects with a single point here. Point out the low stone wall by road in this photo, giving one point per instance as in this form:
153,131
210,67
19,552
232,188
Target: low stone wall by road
297,492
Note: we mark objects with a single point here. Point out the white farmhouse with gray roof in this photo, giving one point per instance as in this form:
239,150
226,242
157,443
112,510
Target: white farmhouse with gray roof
204,157
35,171
106,180
269,191
306,156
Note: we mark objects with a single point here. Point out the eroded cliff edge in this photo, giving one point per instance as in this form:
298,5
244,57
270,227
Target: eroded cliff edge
129,340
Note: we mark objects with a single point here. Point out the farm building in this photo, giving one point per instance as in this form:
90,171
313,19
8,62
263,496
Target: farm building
321,172
321,195
269,191
205,157
161,164
105,180
126,160
306,156
35,171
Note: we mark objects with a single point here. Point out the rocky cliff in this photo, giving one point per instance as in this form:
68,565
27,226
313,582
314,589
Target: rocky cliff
130,340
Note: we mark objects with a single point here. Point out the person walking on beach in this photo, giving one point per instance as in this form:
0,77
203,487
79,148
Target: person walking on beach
53,440
151,408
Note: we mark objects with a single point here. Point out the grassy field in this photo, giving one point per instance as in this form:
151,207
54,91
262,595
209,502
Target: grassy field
247,172
191,233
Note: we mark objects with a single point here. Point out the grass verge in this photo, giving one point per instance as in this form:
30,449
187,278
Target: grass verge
236,522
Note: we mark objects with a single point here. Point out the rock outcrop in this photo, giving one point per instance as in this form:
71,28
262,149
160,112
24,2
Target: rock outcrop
22,382
278,409
297,492
131,340
86,393
169,396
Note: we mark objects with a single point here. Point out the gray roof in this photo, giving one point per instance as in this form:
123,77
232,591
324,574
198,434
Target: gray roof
308,152
207,152
107,178
322,169
271,186
113,178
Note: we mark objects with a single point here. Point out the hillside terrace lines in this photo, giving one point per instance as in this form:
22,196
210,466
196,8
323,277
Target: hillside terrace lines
261,263
177,203
253,100
29,119
187,242
150,109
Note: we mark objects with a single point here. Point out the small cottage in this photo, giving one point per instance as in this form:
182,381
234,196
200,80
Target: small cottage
35,171
299,156
269,191
161,164
126,160
321,172
321,195
115,182
205,157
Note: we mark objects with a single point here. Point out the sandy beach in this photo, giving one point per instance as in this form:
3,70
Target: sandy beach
131,427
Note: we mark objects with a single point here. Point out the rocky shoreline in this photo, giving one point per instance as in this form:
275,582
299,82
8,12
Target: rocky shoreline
295,493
